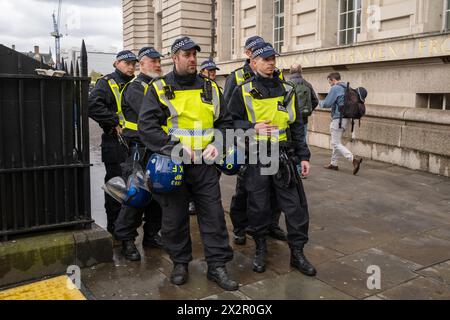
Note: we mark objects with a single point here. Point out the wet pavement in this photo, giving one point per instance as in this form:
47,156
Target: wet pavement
387,216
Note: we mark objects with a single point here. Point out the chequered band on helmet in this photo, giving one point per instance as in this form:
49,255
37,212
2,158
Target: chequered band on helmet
148,51
127,56
260,51
180,44
254,43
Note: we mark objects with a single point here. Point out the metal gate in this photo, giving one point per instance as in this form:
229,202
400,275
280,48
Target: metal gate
44,147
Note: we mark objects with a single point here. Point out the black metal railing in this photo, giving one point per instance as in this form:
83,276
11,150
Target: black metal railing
44,147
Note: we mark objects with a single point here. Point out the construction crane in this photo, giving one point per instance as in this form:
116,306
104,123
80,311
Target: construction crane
57,35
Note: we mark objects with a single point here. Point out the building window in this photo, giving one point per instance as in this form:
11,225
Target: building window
278,30
233,30
349,21
447,15
437,101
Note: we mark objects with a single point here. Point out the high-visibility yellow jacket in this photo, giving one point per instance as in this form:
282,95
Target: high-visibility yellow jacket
280,111
192,116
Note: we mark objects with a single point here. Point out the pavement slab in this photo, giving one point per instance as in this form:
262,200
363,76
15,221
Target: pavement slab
418,289
391,217
293,286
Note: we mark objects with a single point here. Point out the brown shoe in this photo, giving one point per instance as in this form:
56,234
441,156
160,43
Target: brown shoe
356,165
331,167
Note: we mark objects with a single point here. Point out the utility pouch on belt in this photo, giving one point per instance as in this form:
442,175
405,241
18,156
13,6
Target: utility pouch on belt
285,177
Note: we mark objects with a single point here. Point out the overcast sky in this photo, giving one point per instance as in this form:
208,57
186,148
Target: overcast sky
26,23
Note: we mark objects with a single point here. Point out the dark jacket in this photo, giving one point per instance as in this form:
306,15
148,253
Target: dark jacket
132,102
154,115
102,103
231,84
269,88
297,78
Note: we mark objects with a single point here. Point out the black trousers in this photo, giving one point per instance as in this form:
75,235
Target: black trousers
113,154
238,209
130,218
202,184
292,202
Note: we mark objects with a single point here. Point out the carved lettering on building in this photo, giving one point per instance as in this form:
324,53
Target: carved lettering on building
406,49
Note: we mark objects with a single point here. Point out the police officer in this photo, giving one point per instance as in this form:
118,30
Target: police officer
209,69
268,105
106,109
130,218
238,207
176,111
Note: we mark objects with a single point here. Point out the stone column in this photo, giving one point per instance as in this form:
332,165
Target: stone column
238,41
289,40
224,30
264,22
138,25
187,18
328,20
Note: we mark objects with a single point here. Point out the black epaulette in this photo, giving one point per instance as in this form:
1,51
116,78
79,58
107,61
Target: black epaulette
106,78
248,80
247,75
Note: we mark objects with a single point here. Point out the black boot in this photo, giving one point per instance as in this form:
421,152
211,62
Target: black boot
130,251
278,234
220,276
259,261
299,261
179,274
239,239
152,241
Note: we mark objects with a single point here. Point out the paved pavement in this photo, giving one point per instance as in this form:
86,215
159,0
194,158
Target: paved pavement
387,216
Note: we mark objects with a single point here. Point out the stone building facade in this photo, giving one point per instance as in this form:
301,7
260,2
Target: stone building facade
398,49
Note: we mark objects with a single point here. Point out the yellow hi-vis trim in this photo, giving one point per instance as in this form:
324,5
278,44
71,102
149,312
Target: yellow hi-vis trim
240,76
131,125
270,109
117,93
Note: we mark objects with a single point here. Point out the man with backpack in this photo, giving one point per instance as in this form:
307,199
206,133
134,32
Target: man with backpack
306,96
336,100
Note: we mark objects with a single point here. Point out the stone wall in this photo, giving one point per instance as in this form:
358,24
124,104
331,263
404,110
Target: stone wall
138,26
418,139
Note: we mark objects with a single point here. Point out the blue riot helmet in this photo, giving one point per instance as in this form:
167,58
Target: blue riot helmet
134,193
164,175
229,164
138,194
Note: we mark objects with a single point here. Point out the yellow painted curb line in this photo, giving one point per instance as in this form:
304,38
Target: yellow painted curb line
59,288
